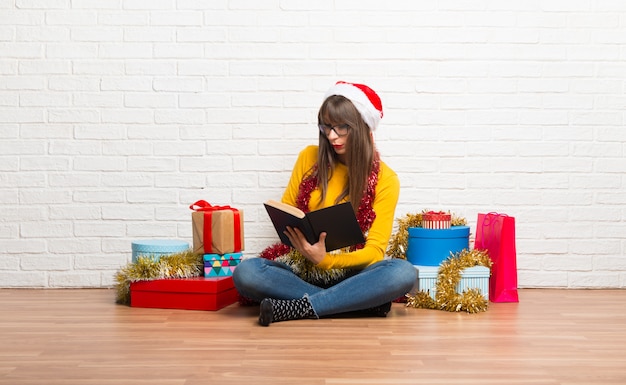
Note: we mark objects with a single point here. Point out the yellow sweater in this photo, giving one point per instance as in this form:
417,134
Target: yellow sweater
384,205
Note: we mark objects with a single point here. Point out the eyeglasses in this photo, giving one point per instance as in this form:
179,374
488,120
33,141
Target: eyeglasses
340,130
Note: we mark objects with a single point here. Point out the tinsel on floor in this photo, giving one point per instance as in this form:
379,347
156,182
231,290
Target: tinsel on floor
179,265
448,277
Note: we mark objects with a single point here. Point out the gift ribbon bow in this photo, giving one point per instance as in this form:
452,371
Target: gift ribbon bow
208,210
437,214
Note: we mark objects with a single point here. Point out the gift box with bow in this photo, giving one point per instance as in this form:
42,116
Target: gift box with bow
436,220
216,229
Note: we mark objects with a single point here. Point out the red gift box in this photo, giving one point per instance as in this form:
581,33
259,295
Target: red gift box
197,293
436,220
216,229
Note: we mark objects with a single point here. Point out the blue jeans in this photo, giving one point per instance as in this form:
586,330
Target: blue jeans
382,282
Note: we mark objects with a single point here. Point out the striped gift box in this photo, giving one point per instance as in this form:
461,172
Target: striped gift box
436,220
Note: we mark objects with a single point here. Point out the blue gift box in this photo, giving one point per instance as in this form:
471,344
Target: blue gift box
220,265
156,248
430,247
476,277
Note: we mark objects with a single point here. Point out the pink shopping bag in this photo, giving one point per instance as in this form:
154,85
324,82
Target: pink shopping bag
495,233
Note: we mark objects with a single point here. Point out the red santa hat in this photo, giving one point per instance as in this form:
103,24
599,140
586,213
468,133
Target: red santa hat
364,99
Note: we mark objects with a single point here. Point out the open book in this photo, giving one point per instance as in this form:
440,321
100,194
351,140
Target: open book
338,222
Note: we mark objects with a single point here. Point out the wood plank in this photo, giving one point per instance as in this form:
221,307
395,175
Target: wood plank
564,337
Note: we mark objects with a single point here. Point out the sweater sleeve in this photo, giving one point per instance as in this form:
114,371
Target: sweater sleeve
384,205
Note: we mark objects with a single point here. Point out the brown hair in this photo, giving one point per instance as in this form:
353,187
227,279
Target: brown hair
337,110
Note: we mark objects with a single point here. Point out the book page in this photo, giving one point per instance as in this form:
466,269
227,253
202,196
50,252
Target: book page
296,212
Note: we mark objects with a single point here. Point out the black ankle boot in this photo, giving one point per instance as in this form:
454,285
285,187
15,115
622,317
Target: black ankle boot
276,310
378,311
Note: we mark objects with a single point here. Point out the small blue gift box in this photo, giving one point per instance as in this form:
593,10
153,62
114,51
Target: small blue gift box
220,265
476,277
156,248
430,247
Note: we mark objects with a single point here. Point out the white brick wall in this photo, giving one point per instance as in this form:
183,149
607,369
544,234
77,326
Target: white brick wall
116,115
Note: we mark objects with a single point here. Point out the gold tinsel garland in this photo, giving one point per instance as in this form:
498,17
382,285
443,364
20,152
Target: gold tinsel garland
179,265
310,273
449,274
400,239
448,277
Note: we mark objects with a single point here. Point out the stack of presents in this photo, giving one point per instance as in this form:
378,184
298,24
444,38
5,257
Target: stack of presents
428,246
218,236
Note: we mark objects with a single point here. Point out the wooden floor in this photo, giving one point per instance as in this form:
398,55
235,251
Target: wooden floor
69,337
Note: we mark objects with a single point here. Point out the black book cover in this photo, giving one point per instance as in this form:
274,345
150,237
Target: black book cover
339,223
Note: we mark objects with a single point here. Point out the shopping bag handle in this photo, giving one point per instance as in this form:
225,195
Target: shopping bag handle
489,217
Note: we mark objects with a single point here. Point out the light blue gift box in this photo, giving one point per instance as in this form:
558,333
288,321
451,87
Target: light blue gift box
476,277
156,248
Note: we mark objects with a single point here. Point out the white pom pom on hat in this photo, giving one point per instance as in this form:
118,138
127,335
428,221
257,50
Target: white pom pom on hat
366,101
